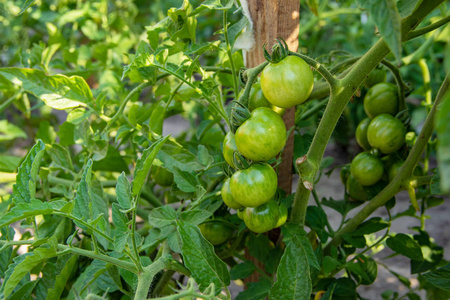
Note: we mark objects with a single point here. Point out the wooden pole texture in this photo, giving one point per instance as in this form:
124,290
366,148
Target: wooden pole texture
273,19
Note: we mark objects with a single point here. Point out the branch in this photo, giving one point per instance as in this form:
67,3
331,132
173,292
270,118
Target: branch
403,174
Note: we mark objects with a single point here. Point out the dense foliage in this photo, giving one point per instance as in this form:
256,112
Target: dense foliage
99,202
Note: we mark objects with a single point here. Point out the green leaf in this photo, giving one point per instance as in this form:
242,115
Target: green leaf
113,162
213,4
57,91
406,7
316,219
119,218
312,4
9,164
87,280
10,131
173,156
162,216
440,278
293,277
38,256
123,192
256,290
405,245
242,270
144,164
385,15
370,226
199,257
77,115
443,142
60,156
27,4
364,270
195,216
204,157
25,187
186,181
329,264
25,210
82,208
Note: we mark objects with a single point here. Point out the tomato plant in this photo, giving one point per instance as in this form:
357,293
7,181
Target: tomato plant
142,157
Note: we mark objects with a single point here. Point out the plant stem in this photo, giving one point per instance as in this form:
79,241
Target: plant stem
10,100
145,278
229,52
404,172
421,31
133,235
318,66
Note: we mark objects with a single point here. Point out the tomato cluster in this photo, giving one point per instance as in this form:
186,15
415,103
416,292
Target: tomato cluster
382,136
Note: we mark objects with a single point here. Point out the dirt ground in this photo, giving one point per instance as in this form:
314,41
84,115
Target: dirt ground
438,225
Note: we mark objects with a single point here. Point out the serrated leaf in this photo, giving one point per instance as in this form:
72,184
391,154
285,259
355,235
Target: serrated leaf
195,216
119,218
256,290
9,163
185,181
443,142
199,257
405,245
39,255
82,208
25,187
57,91
385,15
33,208
162,216
173,155
293,276
60,156
204,157
440,278
364,270
144,164
123,192
87,279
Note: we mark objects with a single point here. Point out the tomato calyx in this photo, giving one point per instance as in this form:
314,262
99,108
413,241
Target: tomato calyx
239,114
239,161
279,51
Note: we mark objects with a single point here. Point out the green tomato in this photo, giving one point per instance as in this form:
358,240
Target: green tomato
287,83
361,134
262,136
227,197
377,75
345,172
355,190
393,169
382,98
282,215
162,176
255,185
257,99
367,168
229,146
240,213
262,218
216,232
386,133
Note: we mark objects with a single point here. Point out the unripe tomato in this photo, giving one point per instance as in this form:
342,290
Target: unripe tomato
257,99
216,232
355,190
287,83
361,134
262,136
227,197
377,75
255,185
229,146
382,98
240,213
282,215
366,168
386,133
162,176
262,218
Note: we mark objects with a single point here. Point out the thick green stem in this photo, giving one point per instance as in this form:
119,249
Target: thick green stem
404,172
340,93
145,278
